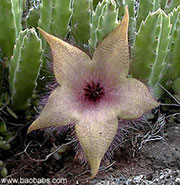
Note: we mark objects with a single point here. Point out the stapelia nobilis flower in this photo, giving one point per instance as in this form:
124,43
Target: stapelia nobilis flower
93,93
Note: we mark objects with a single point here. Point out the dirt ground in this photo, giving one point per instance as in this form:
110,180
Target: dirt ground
150,155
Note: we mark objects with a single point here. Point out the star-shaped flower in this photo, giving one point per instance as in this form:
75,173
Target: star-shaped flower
93,93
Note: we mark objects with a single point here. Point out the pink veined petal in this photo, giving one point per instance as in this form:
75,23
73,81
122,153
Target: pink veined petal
57,111
95,134
133,99
113,53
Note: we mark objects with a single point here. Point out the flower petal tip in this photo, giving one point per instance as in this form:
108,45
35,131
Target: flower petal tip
154,103
45,34
94,164
33,126
126,16
49,38
157,104
126,11
30,129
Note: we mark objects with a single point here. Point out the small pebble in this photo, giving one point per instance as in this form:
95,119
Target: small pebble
149,176
163,177
177,181
174,174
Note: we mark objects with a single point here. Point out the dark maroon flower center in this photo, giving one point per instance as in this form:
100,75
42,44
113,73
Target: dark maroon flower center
93,91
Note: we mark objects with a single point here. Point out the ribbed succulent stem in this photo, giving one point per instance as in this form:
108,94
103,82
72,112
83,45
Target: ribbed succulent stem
55,16
171,74
151,48
163,4
96,14
108,20
24,68
10,21
146,6
173,4
104,20
32,17
81,19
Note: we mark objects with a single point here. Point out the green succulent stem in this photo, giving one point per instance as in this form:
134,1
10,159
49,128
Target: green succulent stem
10,21
24,68
151,48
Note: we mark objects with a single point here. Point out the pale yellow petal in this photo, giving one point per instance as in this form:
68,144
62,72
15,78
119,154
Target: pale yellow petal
57,111
65,56
113,51
95,135
134,99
